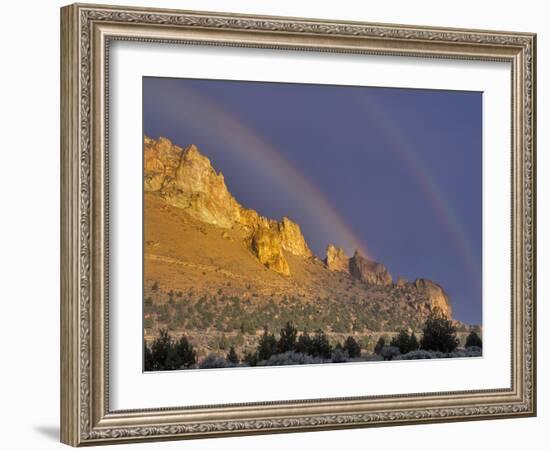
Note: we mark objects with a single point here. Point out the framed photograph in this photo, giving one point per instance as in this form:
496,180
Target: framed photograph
275,224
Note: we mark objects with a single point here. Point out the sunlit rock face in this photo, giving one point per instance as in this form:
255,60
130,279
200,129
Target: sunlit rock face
435,295
292,239
207,224
185,178
336,259
267,246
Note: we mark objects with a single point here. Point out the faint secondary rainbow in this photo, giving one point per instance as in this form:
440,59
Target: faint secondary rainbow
443,209
205,115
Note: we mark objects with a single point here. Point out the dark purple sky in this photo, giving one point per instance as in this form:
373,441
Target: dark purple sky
400,169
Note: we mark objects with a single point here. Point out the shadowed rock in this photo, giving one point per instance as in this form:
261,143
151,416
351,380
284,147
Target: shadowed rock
368,271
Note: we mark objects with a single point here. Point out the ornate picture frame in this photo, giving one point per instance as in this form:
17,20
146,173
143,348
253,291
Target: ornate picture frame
87,31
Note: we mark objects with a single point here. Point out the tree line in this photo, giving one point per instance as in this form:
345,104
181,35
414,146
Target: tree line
292,347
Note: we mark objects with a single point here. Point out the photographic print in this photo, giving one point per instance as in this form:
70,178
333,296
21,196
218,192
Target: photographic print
304,224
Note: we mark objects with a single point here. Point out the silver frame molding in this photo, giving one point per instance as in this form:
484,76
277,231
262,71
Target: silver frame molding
86,32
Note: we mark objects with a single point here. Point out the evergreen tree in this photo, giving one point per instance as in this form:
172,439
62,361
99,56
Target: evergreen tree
287,340
251,358
380,344
147,358
473,340
304,343
401,341
439,333
161,351
267,345
185,352
232,356
352,347
413,343
320,345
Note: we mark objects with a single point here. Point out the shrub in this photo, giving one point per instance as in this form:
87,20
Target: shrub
267,345
304,343
290,358
373,357
380,344
147,358
352,347
287,340
251,358
401,341
213,362
164,354
473,340
232,356
417,354
405,342
473,351
413,343
439,333
339,356
389,353
161,352
185,353
320,345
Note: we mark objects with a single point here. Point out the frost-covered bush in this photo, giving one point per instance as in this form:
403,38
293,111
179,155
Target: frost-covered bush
339,356
418,354
214,362
290,358
389,353
373,357
474,351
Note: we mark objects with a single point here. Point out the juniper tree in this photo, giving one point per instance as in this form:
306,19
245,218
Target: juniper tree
439,333
185,352
320,345
473,340
287,339
352,347
267,345
232,356
304,343
380,344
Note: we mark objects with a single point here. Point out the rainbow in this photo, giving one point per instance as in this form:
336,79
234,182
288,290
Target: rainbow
205,115
443,209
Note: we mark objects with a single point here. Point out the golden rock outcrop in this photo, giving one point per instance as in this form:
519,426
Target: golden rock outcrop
185,178
336,259
267,246
436,296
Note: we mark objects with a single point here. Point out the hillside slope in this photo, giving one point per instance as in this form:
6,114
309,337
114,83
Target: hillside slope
213,266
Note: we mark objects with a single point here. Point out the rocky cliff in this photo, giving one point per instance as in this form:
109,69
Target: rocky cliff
184,179
358,266
435,293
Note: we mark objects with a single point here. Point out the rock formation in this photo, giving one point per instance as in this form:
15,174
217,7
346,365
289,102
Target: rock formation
368,271
267,246
402,282
359,267
436,296
292,239
336,259
185,178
